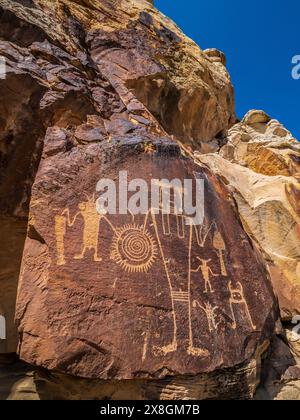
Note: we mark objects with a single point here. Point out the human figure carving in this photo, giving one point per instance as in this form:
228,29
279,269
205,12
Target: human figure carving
211,314
237,297
206,273
91,228
178,298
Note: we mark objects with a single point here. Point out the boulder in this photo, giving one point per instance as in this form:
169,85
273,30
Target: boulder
118,297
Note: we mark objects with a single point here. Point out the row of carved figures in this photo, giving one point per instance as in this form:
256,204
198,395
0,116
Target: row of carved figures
135,249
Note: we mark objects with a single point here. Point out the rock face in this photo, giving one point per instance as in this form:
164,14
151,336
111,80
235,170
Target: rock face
260,162
263,145
281,370
93,285
98,68
148,306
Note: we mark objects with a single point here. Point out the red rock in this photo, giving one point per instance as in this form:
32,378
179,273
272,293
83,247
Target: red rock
103,297
94,87
88,133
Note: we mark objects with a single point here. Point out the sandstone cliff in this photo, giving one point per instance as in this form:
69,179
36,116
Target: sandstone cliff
260,163
122,306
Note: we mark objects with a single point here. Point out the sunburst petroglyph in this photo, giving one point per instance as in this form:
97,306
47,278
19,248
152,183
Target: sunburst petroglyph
134,249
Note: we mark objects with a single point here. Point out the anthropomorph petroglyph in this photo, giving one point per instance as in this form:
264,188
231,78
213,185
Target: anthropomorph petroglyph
206,273
211,313
237,299
168,206
135,248
178,297
91,229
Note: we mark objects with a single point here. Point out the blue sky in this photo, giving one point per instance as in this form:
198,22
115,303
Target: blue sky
259,39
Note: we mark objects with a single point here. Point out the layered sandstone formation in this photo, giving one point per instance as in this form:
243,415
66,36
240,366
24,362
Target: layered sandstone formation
261,164
123,306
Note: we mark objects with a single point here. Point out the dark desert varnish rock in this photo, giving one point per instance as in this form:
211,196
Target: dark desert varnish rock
84,71
147,296
94,87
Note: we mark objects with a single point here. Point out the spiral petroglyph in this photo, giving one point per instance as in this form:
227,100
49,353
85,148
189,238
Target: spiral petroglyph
134,249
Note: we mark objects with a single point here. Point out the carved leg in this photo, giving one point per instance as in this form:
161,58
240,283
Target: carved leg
60,231
208,287
172,347
164,350
192,350
250,318
61,260
96,258
197,352
234,325
223,266
80,256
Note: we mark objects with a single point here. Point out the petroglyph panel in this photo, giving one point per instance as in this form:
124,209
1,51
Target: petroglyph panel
122,296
